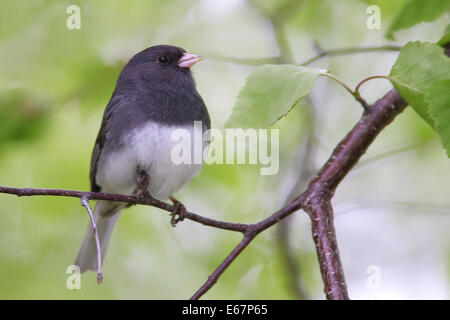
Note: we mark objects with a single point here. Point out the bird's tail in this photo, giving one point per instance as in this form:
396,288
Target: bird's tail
105,214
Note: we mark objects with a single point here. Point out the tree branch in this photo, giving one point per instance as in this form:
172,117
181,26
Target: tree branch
321,188
316,200
349,50
282,58
240,227
245,61
212,279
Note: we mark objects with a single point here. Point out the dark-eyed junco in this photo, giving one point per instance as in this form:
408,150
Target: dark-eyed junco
155,94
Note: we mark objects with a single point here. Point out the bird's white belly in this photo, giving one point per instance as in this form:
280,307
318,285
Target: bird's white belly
150,148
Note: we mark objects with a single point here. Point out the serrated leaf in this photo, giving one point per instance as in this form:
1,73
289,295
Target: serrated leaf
270,92
416,11
438,98
417,66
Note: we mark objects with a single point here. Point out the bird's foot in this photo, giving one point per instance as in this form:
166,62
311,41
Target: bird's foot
142,183
179,212
142,178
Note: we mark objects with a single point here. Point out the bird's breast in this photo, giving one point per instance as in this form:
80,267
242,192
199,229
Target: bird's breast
156,148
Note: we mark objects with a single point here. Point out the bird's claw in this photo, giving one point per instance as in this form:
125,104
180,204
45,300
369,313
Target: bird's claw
142,183
142,179
179,212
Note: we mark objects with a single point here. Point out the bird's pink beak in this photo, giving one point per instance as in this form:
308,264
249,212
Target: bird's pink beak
187,60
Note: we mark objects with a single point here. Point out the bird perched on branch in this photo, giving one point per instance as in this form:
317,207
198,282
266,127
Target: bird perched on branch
155,94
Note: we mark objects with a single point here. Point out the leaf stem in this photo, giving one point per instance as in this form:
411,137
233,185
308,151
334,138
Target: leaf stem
342,83
367,79
355,94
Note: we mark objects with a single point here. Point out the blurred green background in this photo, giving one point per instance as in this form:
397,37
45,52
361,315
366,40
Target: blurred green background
392,211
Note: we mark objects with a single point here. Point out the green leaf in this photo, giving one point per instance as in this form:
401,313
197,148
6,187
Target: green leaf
438,98
417,66
416,11
270,92
446,37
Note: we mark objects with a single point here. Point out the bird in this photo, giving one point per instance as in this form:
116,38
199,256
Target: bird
154,95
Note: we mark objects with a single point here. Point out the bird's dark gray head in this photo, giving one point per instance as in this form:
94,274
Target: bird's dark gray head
158,67
163,56
158,85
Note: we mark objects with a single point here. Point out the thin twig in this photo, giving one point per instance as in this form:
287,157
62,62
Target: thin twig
212,279
349,50
245,61
231,226
282,58
250,234
85,203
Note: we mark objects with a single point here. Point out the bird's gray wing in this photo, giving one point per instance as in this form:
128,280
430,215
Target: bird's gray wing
100,141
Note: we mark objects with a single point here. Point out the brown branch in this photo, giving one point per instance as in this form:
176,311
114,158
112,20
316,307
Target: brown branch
321,188
251,232
316,200
240,227
212,279
324,236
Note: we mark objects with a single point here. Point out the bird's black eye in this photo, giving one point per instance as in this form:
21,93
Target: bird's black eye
163,59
